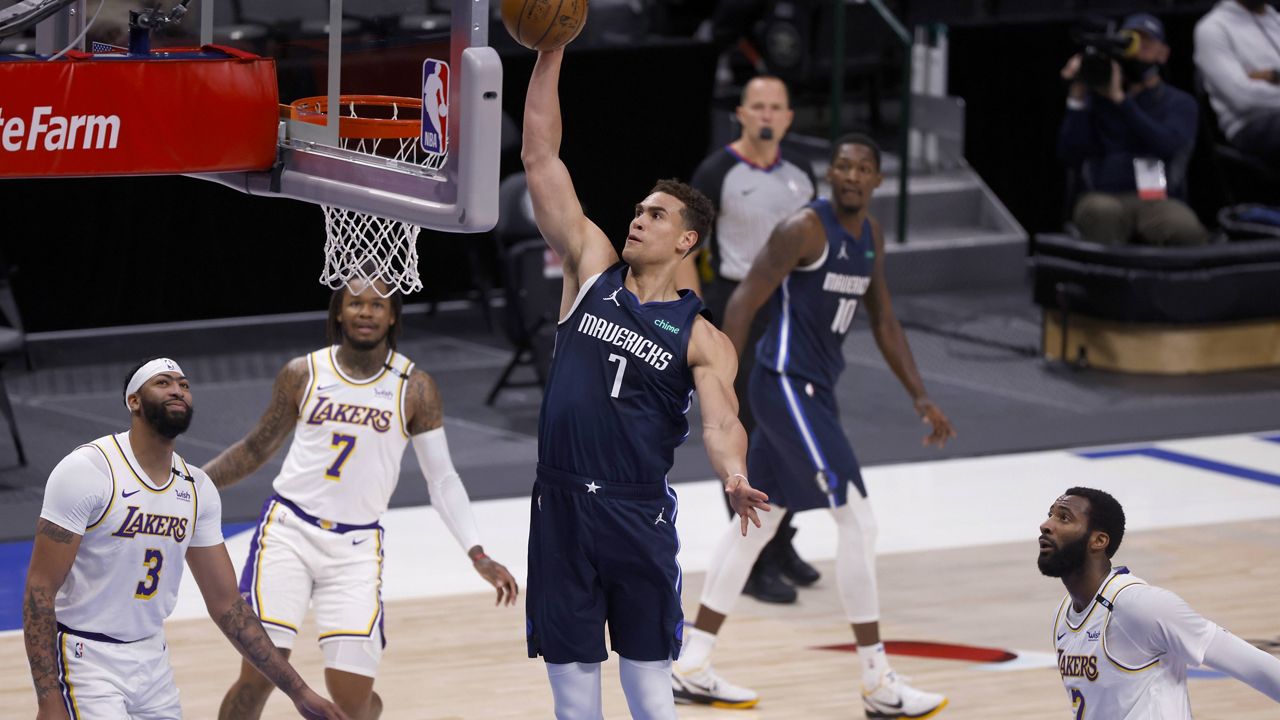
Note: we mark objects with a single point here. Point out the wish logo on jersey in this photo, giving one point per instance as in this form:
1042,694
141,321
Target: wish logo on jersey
435,107
329,411
143,523
1085,666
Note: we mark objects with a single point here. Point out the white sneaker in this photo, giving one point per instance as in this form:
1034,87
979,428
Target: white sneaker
705,687
893,699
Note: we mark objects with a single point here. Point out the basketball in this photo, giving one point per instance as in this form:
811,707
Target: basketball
544,25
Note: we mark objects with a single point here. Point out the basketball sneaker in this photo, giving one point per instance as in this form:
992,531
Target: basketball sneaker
704,686
893,699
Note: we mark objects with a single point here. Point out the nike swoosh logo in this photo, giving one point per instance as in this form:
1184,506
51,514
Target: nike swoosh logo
320,388
125,493
357,542
1061,636
748,191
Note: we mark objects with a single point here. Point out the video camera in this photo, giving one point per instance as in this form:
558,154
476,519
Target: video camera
1099,49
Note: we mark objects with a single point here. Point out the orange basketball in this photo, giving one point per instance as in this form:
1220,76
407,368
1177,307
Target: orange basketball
544,25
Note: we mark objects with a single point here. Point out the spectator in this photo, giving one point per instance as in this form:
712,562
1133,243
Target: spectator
1131,139
1238,54
753,186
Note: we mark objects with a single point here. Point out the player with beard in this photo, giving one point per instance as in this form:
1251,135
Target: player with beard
818,266
1123,645
352,407
121,517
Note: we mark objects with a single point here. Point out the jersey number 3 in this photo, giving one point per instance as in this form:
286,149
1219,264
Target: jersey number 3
152,561
347,443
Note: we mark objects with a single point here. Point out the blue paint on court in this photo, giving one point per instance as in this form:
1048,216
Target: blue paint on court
1188,460
16,556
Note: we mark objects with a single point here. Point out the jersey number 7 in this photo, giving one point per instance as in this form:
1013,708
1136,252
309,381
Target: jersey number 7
347,443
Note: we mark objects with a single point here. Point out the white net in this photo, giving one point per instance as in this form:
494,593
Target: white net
360,246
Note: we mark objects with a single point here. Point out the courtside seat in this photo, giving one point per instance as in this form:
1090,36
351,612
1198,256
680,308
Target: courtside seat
1159,310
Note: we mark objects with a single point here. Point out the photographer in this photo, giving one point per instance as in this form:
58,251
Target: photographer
1130,133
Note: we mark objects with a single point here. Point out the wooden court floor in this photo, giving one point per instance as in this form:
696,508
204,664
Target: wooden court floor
460,657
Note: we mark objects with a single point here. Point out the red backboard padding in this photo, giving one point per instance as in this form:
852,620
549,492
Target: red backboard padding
206,110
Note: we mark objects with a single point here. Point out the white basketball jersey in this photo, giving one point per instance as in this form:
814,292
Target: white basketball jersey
124,581
344,462
1099,685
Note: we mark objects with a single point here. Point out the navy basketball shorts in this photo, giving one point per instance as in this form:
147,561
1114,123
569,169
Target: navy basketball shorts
798,453
602,553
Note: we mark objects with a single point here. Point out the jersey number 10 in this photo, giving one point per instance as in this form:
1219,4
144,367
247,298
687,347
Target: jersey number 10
844,315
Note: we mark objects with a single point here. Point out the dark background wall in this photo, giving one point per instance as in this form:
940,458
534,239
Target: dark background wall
113,251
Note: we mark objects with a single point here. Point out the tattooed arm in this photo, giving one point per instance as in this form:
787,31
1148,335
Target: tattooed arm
248,454
212,570
51,559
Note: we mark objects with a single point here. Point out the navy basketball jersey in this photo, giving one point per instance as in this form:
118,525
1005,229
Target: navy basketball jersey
815,305
619,385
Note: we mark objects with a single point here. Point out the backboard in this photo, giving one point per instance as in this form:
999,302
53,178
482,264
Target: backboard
333,48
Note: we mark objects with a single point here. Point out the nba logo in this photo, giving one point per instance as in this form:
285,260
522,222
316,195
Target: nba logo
78,650
435,107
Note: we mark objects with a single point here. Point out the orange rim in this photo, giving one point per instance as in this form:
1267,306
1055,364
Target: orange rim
315,110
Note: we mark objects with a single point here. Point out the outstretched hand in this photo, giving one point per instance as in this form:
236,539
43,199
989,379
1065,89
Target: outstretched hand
497,576
313,707
745,500
941,430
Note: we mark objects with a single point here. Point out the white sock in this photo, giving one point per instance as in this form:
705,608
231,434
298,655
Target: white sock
696,649
875,663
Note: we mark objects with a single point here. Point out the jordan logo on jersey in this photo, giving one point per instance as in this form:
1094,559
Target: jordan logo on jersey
143,523
329,411
1085,666
614,297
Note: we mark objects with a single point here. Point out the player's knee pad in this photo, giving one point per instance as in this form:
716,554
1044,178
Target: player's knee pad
856,560
575,687
733,557
647,685
359,656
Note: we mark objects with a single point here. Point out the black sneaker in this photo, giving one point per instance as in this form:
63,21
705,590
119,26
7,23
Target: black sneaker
793,567
766,585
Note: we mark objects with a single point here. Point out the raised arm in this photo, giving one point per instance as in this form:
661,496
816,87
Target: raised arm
714,364
892,342
212,570
250,452
795,242
425,411
52,555
584,248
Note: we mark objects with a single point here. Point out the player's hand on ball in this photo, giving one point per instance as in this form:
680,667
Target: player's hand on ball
941,430
313,707
746,500
497,576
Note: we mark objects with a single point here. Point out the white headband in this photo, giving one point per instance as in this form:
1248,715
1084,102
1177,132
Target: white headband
148,371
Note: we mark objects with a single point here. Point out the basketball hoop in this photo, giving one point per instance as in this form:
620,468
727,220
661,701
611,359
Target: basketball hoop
360,246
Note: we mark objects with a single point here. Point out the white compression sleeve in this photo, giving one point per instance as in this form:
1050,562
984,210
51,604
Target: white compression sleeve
575,688
856,560
647,686
733,557
448,496
1244,662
